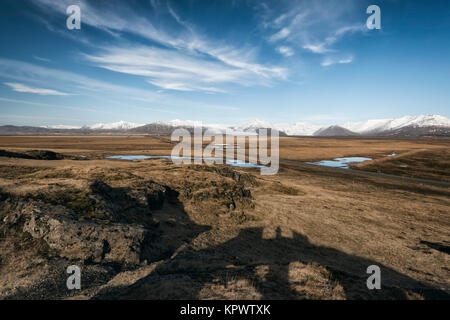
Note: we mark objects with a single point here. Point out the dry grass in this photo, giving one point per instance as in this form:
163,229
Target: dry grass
433,164
306,234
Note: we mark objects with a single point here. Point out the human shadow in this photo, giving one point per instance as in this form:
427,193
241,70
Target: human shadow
239,258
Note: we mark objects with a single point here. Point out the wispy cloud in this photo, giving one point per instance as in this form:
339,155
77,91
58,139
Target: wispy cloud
324,46
79,84
316,48
282,34
310,25
329,61
19,87
174,70
285,51
181,55
48,105
41,59
102,91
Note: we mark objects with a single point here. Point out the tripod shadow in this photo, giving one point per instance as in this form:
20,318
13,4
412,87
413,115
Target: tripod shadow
184,276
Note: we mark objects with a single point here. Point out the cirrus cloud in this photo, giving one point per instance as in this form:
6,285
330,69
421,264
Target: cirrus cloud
19,87
183,71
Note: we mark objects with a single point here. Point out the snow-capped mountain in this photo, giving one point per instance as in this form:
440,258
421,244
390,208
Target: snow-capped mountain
120,125
182,123
381,125
421,125
299,128
193,123
367,127
61,126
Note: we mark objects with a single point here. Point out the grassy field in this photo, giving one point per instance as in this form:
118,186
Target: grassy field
229,233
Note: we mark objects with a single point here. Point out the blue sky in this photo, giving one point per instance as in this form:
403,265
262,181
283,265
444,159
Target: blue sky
222,61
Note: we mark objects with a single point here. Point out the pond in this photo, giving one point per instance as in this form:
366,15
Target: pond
233,163
340,162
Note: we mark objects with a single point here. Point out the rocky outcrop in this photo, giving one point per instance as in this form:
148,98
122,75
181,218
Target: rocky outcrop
87,241
109,222
125,204
102,228
33,155
240,177
117,230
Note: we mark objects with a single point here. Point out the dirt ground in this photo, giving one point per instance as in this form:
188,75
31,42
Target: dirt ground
305,233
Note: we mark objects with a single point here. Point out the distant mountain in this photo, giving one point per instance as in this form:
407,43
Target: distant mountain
121,125
416,131
8,130
385,126
61,126
334,131
154,129
296,129
414,126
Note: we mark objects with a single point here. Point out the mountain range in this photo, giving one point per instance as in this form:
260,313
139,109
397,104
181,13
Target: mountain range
422,125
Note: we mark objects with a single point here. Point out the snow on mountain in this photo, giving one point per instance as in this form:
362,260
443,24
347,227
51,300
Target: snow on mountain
298,129
370,126
380,125
366,126
120,125
420,121
214,128
61,126
295,129
255,124
182,123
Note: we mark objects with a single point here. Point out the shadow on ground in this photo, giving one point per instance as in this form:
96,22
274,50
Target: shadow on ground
186,275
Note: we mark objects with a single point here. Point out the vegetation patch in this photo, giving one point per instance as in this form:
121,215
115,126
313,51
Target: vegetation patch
71,198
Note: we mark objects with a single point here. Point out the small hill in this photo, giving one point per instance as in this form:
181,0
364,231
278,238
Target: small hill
334,131
154,129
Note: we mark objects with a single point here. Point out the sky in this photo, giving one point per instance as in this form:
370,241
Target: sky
222,61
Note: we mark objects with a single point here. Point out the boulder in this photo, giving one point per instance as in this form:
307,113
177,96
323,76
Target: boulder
88,241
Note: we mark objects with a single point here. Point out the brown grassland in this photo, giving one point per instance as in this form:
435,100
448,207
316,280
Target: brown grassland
218,232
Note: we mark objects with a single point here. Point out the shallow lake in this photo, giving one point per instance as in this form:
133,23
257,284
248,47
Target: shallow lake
340,162
233,163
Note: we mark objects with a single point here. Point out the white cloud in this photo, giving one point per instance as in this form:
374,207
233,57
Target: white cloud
286,51
41,59
330,61
324,46
320,48
282,34
18,87
194,55
349,60
119,95
183,71
315,26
